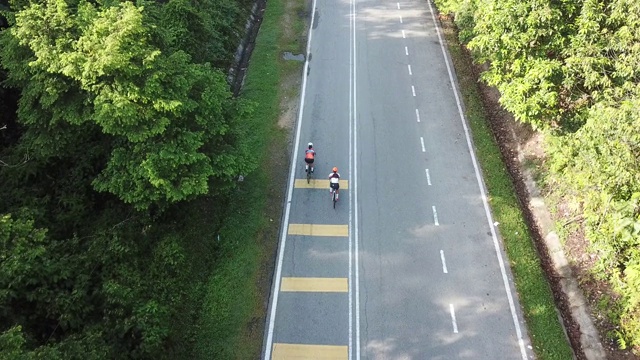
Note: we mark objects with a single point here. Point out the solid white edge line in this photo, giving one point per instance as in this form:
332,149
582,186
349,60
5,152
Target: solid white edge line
435,216
453,319
294,162
355,181
422,144
428,177
505,279
444,263
351,177
417,115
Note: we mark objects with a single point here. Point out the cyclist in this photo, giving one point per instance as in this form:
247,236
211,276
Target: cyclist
309,157
334,182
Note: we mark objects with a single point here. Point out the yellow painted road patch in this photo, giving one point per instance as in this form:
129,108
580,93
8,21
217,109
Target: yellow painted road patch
318,230
319,184
309,352
310,284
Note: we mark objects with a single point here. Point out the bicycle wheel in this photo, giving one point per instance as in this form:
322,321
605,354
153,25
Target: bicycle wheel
334,199
308,174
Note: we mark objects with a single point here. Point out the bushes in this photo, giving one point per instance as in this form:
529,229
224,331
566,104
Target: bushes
599,165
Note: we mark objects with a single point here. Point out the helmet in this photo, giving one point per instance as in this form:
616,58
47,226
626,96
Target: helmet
335,169
310,145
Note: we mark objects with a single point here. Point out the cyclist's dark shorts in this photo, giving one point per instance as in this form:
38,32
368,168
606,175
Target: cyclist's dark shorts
335,186
308,161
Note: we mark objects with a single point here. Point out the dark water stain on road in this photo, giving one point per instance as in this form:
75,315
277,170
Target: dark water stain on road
290,56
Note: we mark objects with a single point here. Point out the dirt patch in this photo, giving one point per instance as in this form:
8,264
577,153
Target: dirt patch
522,147
289,104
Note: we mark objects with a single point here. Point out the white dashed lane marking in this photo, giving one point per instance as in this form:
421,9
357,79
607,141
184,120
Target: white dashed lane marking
444,263
435,216
453,319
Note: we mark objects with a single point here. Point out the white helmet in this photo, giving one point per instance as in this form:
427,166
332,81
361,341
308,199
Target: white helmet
310,145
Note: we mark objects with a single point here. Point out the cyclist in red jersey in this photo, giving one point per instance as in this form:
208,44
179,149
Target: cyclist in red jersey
309,157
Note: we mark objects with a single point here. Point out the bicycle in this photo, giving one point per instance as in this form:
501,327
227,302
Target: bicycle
334,196
308,171
334,179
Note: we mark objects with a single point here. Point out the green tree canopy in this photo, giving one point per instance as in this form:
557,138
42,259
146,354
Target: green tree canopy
172,124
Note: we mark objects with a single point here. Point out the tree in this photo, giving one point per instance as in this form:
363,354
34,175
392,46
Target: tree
522,42
172,124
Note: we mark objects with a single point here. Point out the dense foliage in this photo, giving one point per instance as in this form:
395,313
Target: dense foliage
112,115
570,68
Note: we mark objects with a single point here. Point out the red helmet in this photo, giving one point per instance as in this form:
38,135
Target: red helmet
335,169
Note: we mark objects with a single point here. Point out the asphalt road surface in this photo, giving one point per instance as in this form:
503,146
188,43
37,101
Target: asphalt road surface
409,264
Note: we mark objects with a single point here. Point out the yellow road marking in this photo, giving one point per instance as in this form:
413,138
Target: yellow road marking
309,352
318,230
310,284
319,184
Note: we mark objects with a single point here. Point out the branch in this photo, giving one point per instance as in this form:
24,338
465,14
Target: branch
24,161
122,222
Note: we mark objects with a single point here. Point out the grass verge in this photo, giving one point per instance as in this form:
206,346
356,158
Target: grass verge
545,330
232,322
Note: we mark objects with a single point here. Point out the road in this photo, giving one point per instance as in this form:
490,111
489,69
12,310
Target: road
409,264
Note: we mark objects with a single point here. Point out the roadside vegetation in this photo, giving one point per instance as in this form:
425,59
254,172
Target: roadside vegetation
125,231
570,70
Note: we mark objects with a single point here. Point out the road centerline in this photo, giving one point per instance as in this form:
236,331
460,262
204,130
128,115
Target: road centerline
435,216
453,318
444,262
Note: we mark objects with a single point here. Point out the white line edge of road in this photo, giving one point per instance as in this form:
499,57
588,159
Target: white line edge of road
355,180
496,244
292,173
351,54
